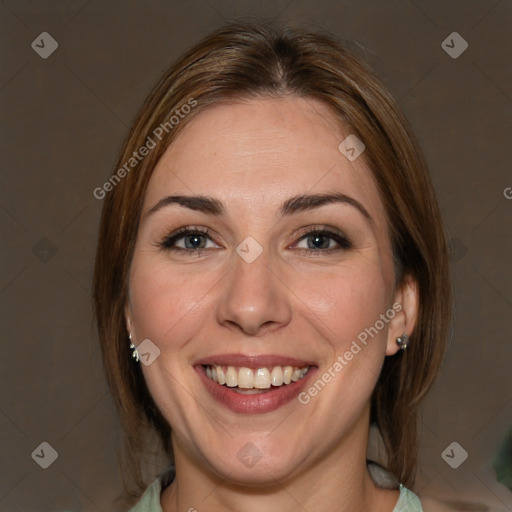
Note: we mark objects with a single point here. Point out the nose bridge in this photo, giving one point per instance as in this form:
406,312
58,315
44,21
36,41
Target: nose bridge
253,296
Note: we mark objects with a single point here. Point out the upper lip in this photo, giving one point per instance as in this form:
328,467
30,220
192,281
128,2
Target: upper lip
252,361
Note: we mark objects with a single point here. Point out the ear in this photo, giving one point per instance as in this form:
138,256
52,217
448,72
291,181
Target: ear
406,301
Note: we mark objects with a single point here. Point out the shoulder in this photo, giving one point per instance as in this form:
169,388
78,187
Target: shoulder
150,500
408,501
433,505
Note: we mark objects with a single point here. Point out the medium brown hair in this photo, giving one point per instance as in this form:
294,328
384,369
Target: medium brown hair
257,60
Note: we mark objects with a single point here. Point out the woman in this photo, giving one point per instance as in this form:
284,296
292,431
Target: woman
272,252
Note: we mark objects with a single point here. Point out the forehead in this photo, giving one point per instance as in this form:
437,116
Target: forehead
255,154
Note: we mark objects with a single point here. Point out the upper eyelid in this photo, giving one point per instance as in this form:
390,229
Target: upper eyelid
321,228
303,233
187,231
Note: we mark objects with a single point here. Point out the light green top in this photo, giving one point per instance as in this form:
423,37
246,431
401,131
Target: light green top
150,500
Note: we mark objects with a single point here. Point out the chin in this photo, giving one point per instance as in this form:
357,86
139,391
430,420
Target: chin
263,474
252,467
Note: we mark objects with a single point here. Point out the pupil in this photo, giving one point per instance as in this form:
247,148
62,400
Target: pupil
319,245
196,241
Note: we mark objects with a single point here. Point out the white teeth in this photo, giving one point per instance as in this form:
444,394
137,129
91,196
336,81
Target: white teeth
221,376
248,379
231,377
276,377
262,379
287,374
245,378
296,375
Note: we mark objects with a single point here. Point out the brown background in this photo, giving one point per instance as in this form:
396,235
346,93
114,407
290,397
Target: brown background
63,121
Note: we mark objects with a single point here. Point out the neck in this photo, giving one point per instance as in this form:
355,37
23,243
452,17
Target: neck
339,481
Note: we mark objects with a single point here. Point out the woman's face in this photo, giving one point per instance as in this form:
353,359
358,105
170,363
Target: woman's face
270,277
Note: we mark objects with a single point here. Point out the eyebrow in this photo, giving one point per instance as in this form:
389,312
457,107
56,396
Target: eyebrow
293,205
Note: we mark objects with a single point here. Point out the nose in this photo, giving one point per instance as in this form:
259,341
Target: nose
254,299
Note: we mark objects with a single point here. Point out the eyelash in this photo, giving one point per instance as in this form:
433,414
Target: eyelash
167,243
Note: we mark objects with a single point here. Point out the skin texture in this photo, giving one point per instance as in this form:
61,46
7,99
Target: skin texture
253,156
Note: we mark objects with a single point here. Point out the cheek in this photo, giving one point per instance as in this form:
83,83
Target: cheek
345,314
165,305
345,302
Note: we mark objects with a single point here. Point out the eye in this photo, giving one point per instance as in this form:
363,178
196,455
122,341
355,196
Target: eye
190,240
322,241
193,240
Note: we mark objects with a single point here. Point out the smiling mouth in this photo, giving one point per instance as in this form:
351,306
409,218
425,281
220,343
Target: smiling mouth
250,381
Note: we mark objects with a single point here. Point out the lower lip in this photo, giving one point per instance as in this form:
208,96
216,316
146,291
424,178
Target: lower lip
257,403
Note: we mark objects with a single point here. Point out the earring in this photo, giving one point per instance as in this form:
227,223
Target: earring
402,341
135,354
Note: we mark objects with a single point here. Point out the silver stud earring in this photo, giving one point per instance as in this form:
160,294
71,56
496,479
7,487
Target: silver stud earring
402,341
135,354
